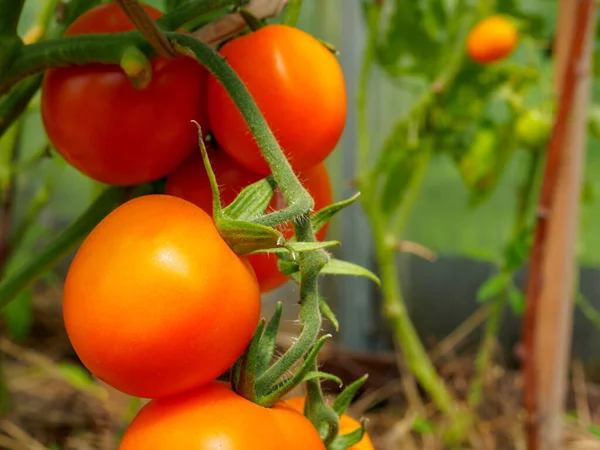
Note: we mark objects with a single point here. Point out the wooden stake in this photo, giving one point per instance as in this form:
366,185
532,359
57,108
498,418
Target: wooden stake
550,285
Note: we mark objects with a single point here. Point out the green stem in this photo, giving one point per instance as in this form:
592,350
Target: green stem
373,15
292,13
413,191
525,199
66,242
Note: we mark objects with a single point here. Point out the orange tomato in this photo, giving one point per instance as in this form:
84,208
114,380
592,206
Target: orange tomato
155,303
492,39
214,417
347,424
109,130
190,182
299,87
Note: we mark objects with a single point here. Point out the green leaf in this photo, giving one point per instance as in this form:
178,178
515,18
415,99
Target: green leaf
18,315
516,301
493,286
339,267
246,237
268,341
422,425
252,201
321,217
595,430
323,376
347,441
288,267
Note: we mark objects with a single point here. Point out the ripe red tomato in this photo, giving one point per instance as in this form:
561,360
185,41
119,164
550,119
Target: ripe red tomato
299,87
214,417
155,303
190,182
111,131
347,424
492,39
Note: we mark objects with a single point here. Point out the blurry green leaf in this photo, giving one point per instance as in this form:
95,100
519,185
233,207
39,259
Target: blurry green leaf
422,425
492,287
516,301
595,430
516,252
339,267
76,376
588,192
18,316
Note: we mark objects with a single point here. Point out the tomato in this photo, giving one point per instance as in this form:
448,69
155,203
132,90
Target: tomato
109,130
155,303
190,182
299,87
533,128
492,39
347,424
214,417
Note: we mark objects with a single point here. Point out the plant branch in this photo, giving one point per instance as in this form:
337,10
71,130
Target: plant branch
553,162
134,10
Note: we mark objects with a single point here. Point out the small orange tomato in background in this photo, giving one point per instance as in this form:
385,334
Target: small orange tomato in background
492,39
155,303
299,87
214,417
190,182
347,424
112,132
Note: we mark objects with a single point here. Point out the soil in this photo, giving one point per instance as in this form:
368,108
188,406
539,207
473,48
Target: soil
54,405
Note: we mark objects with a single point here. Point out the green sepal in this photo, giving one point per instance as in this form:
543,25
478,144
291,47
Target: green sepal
339,267
323,376
252,201
253,22
300,247
246,382
345,397
288,268
328,313
286,385
266,350
246,237
493,286
321,217
346,441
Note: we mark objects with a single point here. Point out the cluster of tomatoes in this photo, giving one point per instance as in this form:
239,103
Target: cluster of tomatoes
155,303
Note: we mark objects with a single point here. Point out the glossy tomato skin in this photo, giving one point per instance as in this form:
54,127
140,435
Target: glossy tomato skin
109,130
214,417
190,182
155,303
347,424
298,86
492,39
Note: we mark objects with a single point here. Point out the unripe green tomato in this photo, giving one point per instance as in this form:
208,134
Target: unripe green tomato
533,128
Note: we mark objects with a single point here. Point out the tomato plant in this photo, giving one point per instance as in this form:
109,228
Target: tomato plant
147,304
347,424
299,87
191,183
214,417
108,129
492,39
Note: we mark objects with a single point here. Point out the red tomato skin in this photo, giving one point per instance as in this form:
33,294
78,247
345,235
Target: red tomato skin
109,130
148,305
216,418
190,182
299,87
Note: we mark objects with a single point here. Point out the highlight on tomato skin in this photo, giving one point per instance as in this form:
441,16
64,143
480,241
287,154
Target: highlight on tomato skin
147,304
298,86
110,131
214,417
347,424
191,183
492,40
